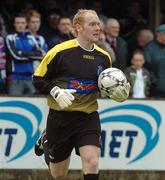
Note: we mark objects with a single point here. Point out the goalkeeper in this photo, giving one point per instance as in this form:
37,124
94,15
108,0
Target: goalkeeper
68,74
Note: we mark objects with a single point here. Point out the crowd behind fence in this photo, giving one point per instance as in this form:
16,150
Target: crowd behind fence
27,32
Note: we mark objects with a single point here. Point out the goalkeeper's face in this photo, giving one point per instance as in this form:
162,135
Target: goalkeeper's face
90,29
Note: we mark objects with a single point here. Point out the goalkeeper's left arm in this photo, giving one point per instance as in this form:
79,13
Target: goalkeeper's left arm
121,93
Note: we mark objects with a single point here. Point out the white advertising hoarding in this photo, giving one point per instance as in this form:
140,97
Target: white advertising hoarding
133,136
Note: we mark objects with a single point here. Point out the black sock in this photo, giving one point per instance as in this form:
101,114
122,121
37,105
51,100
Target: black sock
91,176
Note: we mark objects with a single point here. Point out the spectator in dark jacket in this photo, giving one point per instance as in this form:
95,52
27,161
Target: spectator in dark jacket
143,37
155,62
64,28
49,28
112,29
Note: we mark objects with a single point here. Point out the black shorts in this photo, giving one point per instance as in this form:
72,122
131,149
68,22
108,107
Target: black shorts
67,130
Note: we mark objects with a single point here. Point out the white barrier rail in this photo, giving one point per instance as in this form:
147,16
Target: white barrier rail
133,136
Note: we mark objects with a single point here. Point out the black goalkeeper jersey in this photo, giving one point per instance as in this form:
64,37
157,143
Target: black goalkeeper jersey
70,66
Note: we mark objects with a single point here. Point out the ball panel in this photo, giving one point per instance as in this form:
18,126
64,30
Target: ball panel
109,79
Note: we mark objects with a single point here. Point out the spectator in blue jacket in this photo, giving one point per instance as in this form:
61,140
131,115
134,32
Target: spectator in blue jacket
34,22
22,52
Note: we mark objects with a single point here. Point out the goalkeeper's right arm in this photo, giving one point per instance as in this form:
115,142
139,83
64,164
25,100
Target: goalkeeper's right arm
42,84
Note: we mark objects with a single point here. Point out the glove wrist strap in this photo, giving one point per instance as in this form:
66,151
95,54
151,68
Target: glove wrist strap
54,91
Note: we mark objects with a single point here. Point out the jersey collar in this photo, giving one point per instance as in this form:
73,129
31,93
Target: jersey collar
89,50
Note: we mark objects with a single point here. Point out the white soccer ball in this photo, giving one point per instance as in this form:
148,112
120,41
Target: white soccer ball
109,79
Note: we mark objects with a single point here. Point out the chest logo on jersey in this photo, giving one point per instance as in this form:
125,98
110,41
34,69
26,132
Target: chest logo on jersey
99,69
85,56
83,86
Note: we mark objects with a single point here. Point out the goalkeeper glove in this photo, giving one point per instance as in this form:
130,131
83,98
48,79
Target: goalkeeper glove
63,97
121,93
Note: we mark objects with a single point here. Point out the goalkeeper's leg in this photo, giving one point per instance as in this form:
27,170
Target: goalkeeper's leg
39,146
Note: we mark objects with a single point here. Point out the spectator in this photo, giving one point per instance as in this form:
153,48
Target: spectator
138,76
155,62
2,65
3,28
50,26
64,27
144,36
34,22
112,29
104,45
22,51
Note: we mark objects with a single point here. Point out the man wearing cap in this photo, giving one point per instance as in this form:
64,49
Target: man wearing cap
155,62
